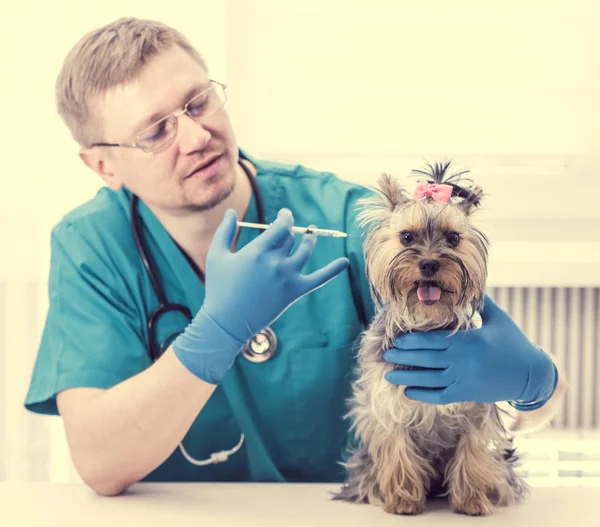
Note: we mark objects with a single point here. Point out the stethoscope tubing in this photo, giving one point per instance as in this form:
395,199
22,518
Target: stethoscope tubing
254,350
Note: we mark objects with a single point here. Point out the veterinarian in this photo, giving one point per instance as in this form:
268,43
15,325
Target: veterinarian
141,355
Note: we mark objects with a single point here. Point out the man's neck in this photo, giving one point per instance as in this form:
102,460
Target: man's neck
194,232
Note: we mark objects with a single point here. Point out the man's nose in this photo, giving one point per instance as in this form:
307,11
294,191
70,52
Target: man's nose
191,135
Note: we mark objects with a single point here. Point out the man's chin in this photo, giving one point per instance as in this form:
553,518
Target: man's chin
212,193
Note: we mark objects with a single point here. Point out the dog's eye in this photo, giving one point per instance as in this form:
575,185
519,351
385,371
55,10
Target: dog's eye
406,238
453,239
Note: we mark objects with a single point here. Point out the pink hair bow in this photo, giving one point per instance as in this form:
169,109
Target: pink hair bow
441,193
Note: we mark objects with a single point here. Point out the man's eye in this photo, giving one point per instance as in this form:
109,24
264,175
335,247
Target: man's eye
198,107
406,238
156,132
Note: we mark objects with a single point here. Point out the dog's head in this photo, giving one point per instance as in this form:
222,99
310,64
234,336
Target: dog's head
425,260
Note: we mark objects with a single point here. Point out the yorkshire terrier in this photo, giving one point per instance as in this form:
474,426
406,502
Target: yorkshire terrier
427,267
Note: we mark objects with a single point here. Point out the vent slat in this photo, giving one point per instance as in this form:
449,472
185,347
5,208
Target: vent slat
563,322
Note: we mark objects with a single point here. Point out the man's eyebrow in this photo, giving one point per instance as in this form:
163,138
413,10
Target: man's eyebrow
147,121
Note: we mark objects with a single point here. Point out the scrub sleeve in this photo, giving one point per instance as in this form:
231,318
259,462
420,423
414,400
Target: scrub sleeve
92,336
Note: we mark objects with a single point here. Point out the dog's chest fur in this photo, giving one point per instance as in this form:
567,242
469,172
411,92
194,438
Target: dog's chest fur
434,430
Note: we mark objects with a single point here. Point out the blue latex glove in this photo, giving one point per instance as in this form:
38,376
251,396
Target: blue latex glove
246,291
496,362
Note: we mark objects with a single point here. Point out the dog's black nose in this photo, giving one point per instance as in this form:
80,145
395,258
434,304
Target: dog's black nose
429,267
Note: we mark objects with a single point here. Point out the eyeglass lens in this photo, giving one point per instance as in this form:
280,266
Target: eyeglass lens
202,105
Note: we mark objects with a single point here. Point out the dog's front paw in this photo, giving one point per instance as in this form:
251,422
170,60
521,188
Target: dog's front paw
475,506
404,506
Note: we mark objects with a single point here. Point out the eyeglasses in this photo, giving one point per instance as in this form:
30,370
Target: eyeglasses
163,132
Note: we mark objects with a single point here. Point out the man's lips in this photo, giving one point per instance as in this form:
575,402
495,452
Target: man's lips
203,165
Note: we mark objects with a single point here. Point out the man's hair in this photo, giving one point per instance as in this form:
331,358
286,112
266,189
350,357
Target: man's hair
104,58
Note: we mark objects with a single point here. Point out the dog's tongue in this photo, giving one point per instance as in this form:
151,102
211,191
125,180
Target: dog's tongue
428,293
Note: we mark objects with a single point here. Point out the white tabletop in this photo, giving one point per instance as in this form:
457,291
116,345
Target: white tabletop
264,504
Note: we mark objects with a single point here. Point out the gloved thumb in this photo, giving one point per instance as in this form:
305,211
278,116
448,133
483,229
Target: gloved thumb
223,238
491,310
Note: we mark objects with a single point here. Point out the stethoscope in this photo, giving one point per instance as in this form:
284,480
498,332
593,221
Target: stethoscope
260,348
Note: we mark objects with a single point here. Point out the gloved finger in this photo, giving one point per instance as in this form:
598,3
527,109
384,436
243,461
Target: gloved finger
278,232
304,251
418,378
284,249
428,395
320,277
421,358
429,340
225,233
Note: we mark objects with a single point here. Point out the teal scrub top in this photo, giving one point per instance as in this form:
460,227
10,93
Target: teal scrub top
291,407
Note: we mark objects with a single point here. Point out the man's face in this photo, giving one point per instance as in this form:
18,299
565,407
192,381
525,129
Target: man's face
166,179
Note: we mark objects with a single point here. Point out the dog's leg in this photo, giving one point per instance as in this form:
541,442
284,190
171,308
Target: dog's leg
471,474
388,469
389,474
402,475
514,488
481,474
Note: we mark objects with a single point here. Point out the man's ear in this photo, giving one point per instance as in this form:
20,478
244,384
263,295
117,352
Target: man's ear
94,159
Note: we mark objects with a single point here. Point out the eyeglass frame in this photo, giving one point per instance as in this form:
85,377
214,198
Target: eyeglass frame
174,115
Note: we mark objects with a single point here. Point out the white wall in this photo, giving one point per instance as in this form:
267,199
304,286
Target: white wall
380,77
510,90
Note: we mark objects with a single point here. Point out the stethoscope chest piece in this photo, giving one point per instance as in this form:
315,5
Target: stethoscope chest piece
261,347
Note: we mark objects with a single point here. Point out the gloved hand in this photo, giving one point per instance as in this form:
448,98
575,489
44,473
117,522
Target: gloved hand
246,291
494,363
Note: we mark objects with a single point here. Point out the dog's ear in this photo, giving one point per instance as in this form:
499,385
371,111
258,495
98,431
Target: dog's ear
471,199
377,208
392,193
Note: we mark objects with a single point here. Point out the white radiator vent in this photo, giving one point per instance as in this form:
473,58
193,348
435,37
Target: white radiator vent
565,322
